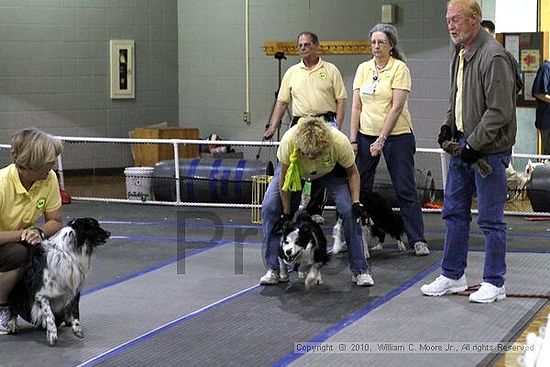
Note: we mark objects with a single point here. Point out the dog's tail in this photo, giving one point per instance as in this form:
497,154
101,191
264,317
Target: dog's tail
35,264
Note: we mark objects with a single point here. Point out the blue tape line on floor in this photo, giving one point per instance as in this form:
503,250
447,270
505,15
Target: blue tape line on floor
285,361
359,314
151,269
119,349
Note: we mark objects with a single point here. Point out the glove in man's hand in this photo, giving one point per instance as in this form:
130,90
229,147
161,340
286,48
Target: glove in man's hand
469,154
445,134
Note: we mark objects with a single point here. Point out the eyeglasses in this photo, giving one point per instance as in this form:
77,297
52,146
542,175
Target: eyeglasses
305,44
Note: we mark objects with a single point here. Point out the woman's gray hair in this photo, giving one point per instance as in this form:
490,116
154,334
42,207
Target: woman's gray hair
390,32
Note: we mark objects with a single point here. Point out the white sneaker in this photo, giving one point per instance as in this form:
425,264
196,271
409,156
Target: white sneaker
363,279
488,293
421,249
272,277
443,285
4,320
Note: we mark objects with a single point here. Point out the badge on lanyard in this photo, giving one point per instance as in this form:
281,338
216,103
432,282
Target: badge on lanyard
368,89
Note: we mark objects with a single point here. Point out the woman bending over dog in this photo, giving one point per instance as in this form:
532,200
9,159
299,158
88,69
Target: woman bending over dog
314,150
28,190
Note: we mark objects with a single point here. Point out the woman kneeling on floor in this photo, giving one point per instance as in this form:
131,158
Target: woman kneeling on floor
28,190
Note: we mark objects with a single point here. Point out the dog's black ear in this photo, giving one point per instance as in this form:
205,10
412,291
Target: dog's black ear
301,215
305,229
282,225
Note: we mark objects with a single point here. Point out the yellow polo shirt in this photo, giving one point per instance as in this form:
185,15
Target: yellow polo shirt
312,92
340,151
377,104
20,208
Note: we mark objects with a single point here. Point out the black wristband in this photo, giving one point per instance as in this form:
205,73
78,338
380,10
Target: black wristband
354,142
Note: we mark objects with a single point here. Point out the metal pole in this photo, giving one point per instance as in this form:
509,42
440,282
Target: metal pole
60,171
443,156
177,172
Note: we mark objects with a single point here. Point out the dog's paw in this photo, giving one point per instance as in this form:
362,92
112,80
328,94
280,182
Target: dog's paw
51,337
401,246
313,278
77,330
376,247
313,281
13,327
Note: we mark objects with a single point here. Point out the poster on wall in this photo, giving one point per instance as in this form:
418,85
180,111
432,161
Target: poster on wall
530,60
528,48
528,80
511,43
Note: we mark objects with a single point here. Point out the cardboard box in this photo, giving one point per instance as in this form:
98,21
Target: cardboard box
147,155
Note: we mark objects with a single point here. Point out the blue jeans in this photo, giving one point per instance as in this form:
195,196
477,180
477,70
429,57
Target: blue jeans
399,155
462,182
338,188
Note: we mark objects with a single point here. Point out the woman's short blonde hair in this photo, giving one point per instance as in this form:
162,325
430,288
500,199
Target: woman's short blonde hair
313,135
32,149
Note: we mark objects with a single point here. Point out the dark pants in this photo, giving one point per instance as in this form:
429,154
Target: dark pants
399,155
545,141
318,198
13,255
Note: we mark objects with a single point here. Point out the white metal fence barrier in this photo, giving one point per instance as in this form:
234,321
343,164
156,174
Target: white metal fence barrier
221,175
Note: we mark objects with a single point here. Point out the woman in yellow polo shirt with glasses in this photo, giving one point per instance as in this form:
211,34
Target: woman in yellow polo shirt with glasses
381,124
28,190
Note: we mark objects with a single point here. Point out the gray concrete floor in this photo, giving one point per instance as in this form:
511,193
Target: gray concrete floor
141,307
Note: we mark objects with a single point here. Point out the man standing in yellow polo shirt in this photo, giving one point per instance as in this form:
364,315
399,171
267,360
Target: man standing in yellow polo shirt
316,89
28,191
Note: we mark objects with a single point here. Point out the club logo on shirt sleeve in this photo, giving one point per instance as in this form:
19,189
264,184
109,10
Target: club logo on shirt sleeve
40,203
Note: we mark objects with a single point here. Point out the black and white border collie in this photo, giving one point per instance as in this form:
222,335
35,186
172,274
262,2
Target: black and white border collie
382,220
49,292
304,244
